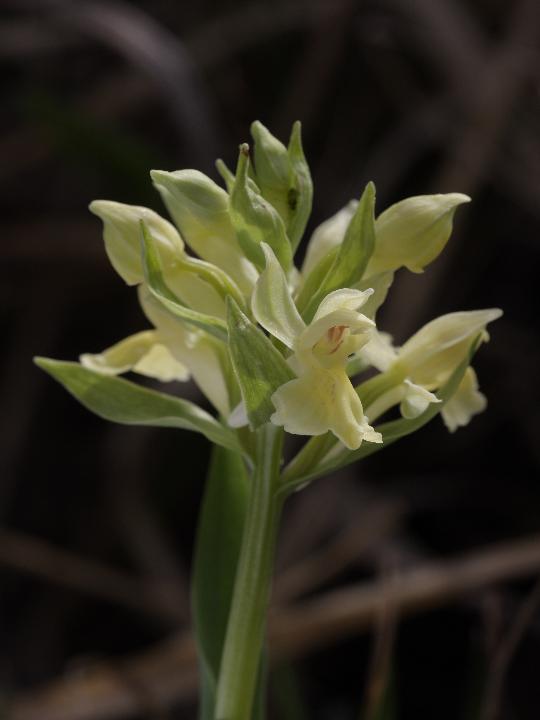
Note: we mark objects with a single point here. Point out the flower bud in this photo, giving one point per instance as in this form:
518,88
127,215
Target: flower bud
122,235
413,232
283,176
272,168
200,208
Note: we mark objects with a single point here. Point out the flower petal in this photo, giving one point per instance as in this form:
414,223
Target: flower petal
379,351
347,298
435,350
143,353
466,402
196,293
380,284
322,400
416,400
337,310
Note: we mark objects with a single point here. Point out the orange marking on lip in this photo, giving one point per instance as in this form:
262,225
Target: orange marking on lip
334,333
340,343
335,336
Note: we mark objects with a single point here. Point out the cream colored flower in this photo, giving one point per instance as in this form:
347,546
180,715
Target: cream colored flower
172,351
410,233
426,361
194,282
322,398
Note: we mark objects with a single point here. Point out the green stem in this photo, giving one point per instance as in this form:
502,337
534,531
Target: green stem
247,620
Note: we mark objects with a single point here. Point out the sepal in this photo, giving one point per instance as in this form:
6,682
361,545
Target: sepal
431,354
200,209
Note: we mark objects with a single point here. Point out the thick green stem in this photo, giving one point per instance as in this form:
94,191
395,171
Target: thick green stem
247,620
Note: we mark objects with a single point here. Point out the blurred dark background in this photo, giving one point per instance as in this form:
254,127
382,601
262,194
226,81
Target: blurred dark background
97,521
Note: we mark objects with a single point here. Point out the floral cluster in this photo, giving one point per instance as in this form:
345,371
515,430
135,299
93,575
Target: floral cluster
266,341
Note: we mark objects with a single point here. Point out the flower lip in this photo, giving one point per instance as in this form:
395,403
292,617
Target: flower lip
331,339
325,333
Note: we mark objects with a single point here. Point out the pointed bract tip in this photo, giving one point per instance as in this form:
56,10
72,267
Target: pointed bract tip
269,255
234,314
159,177
296,130
46,364
295,140
242,166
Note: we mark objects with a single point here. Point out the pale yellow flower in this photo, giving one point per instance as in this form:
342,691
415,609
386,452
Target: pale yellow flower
322,398
172,351
426,361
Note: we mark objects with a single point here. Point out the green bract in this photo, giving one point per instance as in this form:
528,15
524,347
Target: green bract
124,402
344,265
260,368
255,219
